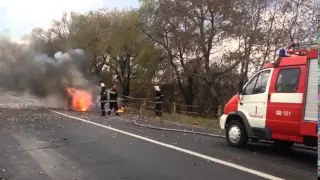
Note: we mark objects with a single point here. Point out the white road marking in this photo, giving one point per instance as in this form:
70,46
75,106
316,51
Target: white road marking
232,165
225,163
18,99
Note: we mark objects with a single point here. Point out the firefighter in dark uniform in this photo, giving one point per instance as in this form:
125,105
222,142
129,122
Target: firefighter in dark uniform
70,99
158,108
113,100
103,98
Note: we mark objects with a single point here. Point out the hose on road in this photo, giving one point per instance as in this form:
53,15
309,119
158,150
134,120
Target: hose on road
142,116
176,130
142,108
205,134
135,122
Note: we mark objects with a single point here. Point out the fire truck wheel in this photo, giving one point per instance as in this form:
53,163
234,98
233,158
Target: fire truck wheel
236,134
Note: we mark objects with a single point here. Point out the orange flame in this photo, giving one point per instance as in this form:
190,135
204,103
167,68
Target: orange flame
121,110
81,100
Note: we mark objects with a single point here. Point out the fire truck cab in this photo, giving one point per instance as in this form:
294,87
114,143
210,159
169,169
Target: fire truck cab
279,103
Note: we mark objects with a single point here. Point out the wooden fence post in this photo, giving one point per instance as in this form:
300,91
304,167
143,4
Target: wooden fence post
174,110
142,108
219,111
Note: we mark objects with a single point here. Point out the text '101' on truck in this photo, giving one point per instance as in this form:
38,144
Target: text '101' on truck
278,103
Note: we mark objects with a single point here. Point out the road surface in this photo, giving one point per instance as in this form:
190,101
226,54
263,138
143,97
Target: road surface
38,143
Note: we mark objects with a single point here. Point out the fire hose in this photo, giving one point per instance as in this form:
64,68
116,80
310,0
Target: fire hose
128,97
168,129
182,130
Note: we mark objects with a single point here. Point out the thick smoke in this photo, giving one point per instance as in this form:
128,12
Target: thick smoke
23,70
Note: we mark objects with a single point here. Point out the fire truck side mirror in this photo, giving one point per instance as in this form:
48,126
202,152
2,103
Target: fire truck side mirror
240,88
240,91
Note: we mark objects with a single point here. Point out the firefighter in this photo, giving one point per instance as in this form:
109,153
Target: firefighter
103,98
158,108
113,100
69,102
70,99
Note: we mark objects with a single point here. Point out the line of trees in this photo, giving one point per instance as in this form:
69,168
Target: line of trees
197,50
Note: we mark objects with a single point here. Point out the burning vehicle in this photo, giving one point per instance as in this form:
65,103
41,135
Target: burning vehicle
79,100
82,100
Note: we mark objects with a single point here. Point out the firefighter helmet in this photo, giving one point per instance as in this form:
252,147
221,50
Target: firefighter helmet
102,85
157,88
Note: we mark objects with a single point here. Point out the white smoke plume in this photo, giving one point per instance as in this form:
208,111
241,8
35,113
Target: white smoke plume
24,71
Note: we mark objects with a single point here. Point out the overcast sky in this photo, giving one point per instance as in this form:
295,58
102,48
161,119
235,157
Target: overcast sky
18,17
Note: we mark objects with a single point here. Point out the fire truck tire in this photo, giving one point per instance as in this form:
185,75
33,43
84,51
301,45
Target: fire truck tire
236,134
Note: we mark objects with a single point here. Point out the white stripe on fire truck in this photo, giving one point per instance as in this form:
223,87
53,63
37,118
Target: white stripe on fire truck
286,97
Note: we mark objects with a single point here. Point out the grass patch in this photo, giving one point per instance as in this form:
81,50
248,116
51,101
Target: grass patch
178,118
190,120
130,111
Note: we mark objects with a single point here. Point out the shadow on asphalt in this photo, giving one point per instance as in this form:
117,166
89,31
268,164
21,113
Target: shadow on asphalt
307,157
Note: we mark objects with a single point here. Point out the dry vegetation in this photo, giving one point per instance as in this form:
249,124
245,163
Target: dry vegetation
197,50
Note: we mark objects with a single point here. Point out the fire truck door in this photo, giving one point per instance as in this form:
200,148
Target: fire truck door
285,105
253,101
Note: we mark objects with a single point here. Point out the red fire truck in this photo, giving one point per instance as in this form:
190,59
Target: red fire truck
279,103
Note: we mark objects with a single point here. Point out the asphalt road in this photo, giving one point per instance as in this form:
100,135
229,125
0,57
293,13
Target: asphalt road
37,143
